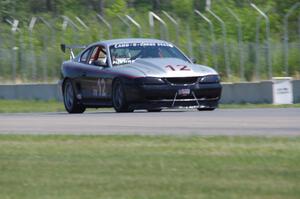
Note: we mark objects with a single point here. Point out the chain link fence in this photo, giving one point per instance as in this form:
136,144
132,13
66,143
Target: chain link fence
29,48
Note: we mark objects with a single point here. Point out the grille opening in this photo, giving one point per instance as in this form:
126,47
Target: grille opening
182,80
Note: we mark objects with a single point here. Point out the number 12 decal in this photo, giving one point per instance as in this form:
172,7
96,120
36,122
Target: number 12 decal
178,67
101,92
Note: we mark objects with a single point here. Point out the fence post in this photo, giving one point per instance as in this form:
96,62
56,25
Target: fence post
14,24
286,36
240,42
14,27
224,32
44,60
299,27
82,23
190,44
84,26
257,48
106,24
15,48
175,24
75,28
32,50
126,24
1,68
153,16
269,59
135,23
213,39
67,21
52,41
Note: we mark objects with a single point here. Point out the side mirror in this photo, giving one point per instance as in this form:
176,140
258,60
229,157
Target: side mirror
194,60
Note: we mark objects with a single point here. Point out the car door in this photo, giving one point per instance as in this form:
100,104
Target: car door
79,71
94,80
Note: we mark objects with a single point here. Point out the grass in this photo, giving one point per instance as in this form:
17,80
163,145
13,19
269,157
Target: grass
240,106
26,106
129,167
22,106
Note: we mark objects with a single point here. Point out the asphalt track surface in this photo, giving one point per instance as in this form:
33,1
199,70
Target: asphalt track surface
255,122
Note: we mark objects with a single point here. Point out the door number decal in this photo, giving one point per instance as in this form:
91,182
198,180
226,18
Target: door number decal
101,88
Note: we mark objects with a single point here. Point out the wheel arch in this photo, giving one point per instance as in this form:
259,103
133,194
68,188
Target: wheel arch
117,78
76,86
120,105
63,84
71,103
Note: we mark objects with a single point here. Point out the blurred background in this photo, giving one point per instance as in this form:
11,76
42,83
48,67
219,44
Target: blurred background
244,40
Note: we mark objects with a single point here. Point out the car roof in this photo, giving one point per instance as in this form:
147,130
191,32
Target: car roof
128,40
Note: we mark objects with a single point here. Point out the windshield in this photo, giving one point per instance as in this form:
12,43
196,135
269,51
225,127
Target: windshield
125,53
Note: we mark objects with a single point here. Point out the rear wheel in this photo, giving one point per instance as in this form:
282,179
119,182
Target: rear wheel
118,98
72,105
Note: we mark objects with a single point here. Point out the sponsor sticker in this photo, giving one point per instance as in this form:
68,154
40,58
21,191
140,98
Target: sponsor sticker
142,44
184,91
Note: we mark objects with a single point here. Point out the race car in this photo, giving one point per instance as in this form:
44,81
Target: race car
132,74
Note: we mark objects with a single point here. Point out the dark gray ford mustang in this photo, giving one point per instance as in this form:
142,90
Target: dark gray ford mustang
130,74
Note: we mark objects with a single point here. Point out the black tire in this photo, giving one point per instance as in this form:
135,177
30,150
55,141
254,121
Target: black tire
154,110
206,109
72,105
120,103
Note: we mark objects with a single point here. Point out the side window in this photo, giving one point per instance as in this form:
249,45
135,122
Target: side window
94,55
84,56
102,55
98,56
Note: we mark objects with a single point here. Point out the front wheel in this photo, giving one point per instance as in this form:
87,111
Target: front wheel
118,97
71,103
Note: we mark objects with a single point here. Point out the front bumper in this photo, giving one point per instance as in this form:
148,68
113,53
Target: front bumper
168,96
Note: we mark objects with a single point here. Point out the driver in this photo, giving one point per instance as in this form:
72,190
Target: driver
152,53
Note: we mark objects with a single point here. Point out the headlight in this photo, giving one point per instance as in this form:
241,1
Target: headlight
210,79
150,81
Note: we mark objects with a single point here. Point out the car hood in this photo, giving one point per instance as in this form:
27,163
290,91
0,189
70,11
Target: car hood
165,67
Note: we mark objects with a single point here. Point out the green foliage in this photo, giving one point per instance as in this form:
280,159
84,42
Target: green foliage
5,7
182,8
33,64
116,8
